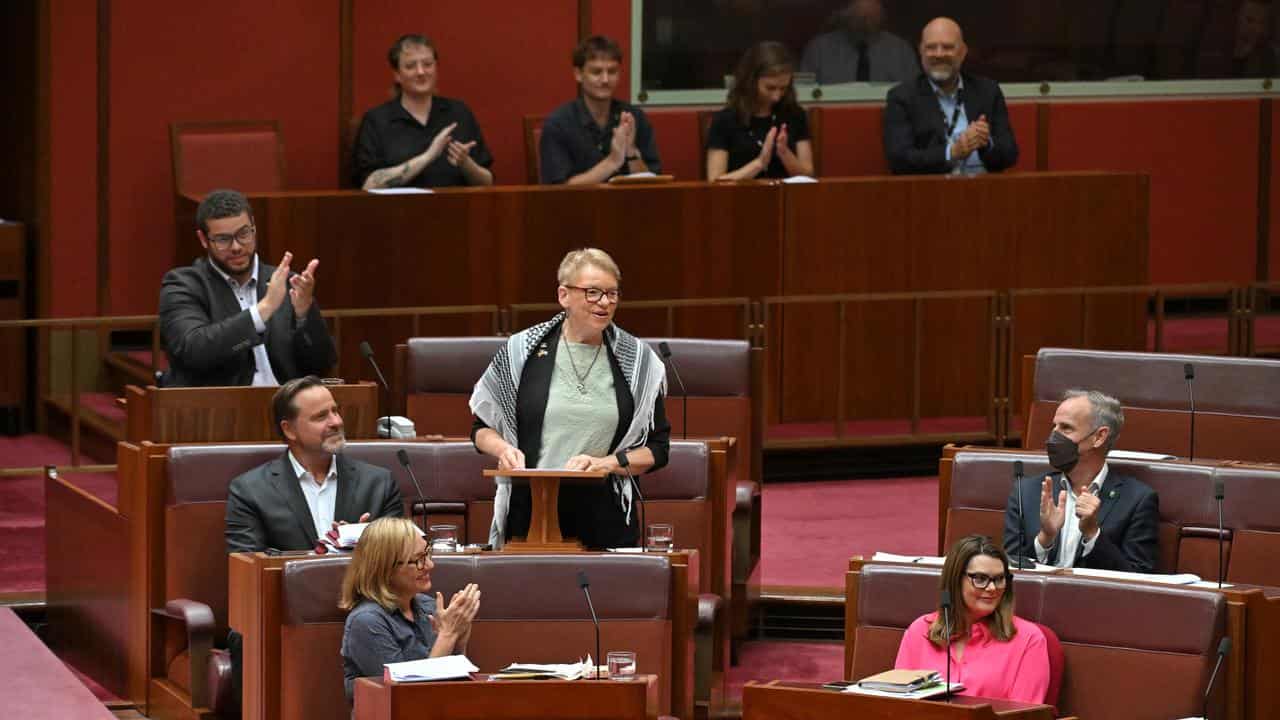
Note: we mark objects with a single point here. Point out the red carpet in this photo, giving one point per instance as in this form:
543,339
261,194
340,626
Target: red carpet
22,507
809,529
786,660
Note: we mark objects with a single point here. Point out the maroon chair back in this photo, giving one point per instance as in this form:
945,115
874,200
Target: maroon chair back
245,155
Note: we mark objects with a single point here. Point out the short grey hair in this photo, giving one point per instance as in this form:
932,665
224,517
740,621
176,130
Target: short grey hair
576,260
1106,412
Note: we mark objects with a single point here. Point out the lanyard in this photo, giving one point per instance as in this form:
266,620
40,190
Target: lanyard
955,114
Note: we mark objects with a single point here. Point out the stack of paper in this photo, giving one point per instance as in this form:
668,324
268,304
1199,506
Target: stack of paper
918,559
1182,579
900,681
534,671
349,534
448,667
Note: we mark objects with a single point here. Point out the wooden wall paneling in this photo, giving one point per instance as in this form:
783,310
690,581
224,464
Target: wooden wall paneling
1272,206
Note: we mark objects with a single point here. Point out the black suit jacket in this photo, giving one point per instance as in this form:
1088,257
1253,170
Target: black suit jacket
915,133
210,340
1128,519
266,507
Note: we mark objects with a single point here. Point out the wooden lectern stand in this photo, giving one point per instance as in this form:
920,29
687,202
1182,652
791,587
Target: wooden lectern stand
507,699
785,701
544,521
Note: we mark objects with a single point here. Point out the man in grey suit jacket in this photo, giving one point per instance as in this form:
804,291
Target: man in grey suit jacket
228,319
289,503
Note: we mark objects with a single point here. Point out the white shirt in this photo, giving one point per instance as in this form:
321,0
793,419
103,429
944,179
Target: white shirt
1069,540
321,497
953,108
247,296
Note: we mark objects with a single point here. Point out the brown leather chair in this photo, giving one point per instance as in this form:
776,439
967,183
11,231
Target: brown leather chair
533,148
980,480
434,377
245,155
1251,516
532,611
1237,401
1110,657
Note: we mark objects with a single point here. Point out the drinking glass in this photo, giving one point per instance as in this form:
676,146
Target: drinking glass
444,538
622,665
660,538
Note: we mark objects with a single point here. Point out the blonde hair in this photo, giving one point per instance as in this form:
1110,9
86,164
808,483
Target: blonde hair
376,559
576,260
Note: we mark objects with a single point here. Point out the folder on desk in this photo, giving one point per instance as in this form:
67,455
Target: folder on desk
901,681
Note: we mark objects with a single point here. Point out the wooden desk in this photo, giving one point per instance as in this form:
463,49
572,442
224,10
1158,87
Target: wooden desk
271,682
508,700
689,240
231,414
797,701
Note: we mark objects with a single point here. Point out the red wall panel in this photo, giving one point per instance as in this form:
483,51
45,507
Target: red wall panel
1203,159
678,145
1026,130
852,141
73,127
612,18
504,59
1273,248
237,59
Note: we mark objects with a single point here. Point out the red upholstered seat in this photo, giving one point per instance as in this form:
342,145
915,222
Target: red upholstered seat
1056,663
247,156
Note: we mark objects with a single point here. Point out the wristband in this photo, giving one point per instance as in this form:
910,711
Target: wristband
621,455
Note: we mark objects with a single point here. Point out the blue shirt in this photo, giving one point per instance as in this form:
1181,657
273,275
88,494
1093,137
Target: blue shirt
952,107
374,636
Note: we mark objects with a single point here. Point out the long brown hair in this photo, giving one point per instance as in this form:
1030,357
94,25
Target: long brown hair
763,59
1000,622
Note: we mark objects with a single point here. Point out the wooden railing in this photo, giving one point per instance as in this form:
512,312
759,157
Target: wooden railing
60,383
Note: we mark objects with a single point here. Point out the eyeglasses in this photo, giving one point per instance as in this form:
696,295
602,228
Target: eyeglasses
419,560
594,294
244,236
982,580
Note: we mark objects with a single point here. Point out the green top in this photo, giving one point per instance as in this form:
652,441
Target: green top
581,417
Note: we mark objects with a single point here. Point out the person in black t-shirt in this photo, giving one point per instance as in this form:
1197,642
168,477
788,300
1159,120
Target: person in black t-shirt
763,131
419,138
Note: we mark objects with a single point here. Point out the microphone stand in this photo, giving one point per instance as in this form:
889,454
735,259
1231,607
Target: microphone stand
586,589
1224,647
1189,372
367,351
665,350
1219,493
946,614
1021,561
420,507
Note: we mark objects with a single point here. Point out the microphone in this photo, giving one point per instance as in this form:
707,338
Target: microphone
421,505
665,351
1219,493
367,352
586,590
1224,647
1020,561
1189,372
945,602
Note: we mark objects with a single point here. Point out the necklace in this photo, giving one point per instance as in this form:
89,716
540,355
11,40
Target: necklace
581,377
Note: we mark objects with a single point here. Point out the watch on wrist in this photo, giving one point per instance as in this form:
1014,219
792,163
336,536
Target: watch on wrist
633,158
621,455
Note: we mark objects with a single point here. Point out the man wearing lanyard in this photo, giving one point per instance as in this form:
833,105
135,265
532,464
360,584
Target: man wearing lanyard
947,121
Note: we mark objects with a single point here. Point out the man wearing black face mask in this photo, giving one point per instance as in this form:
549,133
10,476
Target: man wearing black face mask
1087,517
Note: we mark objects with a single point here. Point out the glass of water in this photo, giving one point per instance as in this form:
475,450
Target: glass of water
622,665
660,538
444,538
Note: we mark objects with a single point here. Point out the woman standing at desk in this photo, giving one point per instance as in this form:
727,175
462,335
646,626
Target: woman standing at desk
579,393
392,617
763,131
418,137
993,652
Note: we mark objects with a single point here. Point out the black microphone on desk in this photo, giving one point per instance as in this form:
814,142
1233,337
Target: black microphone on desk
421,505
945,602
1219,493
665,351
586,589
1020,560
1189,372
367,352
1224,647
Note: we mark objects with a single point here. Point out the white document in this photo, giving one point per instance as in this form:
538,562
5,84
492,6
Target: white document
449,667
1182,579
349,534
799,180
916,559
645,174
1138,455
1208,584
402,191
627,550
562,671
924,692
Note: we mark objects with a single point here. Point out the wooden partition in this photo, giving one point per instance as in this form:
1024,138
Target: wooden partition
775,700
507,700
753,240
225,414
